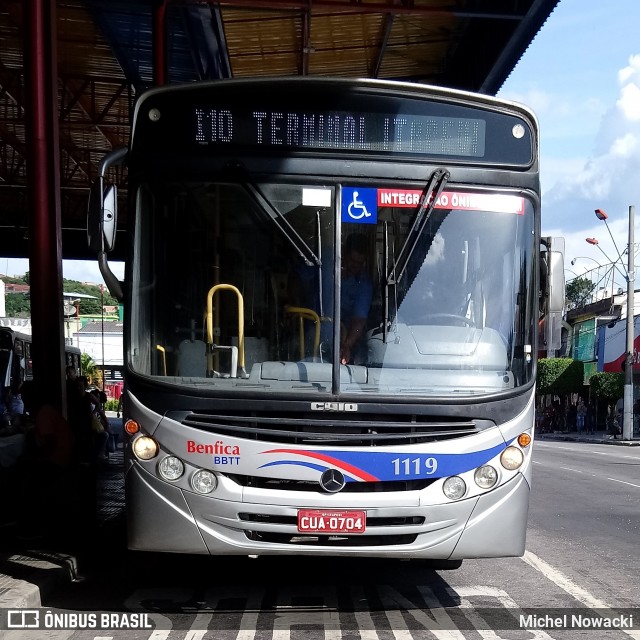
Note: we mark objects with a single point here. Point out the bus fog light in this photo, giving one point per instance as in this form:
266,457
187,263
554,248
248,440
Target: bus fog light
485,476
145,448
454,487
171,468
204,481
511,458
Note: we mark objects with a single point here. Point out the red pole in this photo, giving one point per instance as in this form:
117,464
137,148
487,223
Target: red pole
160,42
43,178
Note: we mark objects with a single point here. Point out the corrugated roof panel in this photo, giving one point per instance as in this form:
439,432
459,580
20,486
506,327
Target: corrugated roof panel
263,42
105,57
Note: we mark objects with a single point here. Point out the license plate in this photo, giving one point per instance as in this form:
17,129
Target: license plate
331,521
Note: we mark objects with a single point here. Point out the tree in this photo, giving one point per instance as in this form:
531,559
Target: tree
89,306
559,376
577,292
90,369
17,305
607,386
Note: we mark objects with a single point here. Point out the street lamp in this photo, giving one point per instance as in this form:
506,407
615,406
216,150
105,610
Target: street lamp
627,419
601,215
585,258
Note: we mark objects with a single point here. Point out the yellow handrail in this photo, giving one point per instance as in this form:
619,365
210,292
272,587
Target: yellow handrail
163,351
306,314
212,292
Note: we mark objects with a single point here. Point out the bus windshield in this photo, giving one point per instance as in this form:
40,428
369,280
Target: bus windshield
295,287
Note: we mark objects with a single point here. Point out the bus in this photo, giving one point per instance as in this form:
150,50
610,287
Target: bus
253,427
16,364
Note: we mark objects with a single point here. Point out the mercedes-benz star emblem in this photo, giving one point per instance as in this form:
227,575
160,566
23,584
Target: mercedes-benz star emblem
332,481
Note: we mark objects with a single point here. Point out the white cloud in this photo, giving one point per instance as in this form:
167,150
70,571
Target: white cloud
629,102
608,179
625,146
627,73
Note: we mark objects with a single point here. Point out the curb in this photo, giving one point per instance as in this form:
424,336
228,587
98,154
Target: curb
27,577
569,438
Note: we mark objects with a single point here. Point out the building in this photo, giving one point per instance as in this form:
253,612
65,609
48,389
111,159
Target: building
101,341
584,326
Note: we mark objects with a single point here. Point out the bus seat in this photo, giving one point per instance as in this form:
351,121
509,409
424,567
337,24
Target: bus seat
192,359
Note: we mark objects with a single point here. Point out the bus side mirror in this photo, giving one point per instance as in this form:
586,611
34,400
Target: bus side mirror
553,292
102,213
557,285
102,216
552,281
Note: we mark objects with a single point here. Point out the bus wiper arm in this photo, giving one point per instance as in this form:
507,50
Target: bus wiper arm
303,249
430,195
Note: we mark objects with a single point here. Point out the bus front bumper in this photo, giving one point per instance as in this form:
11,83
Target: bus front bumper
162,517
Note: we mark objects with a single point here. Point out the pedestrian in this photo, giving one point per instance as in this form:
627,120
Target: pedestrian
100,423
571,418
581,414
86,426
590,418
48,487
120,402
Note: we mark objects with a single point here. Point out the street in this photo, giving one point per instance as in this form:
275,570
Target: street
581,564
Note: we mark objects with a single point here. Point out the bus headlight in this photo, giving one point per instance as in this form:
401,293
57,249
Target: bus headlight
171,468
204,481
485,476
454,487
511,458
145,448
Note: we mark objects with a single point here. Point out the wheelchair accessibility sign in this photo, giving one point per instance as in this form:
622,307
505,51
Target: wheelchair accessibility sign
359,205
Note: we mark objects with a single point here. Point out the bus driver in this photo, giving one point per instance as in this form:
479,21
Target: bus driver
355,300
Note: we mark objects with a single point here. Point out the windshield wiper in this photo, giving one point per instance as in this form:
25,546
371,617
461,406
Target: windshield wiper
238,174
303,249
430,195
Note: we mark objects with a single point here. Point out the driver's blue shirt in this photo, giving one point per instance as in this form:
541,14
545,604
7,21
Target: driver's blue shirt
355,298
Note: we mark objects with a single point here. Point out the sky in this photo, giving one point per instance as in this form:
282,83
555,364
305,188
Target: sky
581,77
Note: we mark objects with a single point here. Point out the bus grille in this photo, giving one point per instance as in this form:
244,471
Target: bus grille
393,521
331,540
285,484
356,429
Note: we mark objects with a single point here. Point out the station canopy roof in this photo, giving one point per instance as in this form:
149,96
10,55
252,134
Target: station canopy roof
105,60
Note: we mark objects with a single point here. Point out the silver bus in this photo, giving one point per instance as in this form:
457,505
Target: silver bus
332,301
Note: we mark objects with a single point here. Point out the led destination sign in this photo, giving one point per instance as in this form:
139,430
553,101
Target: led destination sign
341,130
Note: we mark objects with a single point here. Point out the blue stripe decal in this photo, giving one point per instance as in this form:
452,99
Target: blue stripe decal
408,465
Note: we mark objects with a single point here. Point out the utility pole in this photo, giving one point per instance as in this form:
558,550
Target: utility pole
627,414
627,418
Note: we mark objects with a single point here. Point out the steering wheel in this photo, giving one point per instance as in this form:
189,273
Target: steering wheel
453,319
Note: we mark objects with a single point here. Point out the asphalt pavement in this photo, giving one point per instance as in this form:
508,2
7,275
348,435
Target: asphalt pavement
31,568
